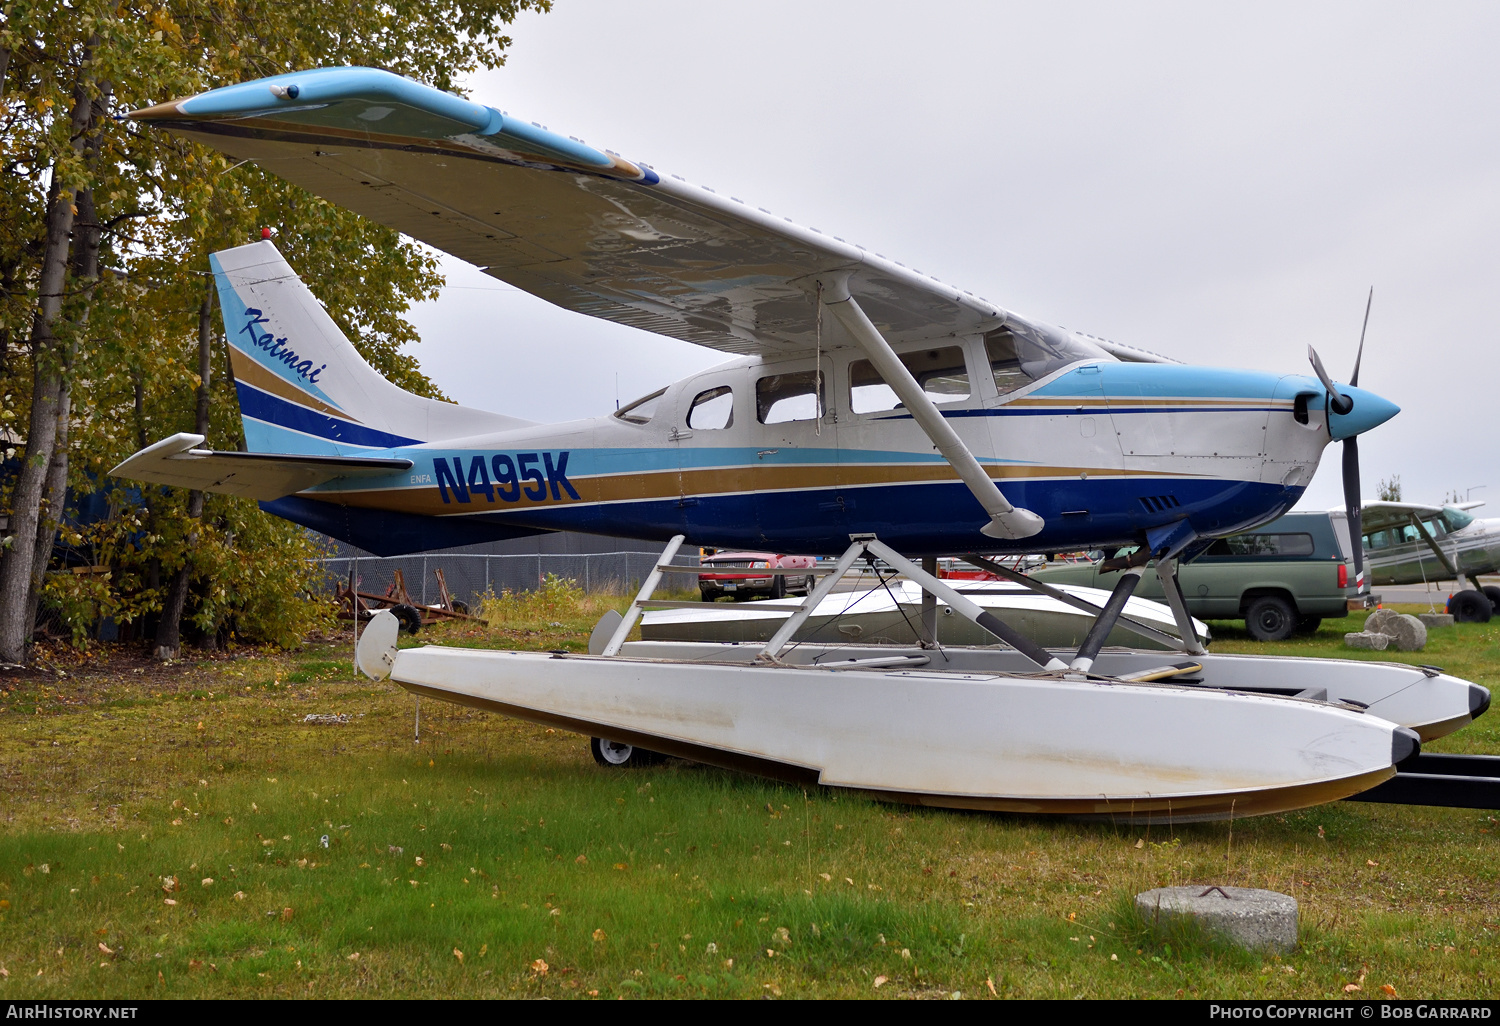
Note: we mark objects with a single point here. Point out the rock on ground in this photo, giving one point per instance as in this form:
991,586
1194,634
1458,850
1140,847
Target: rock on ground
1249,917
1408,634
1367,639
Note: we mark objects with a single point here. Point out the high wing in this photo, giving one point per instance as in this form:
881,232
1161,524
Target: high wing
583,228
176,461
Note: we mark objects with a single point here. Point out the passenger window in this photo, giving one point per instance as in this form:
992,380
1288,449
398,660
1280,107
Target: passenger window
1409,533
643,409
1006,366
780,398
712,410
941,373
1435,527
1378,540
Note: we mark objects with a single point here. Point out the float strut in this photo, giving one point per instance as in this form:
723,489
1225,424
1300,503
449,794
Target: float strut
1105,622
1166,572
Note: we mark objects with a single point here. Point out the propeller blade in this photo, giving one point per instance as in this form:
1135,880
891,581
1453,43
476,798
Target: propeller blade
1352,509
1338,402
1358,356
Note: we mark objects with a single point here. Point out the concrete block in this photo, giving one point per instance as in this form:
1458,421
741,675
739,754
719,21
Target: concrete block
1381,619
1408,634
1367,639
1248,917
1436,619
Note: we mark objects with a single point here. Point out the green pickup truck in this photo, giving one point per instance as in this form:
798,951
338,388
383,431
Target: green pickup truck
1281,579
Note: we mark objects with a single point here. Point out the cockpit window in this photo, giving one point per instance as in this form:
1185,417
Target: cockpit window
1456,518
712,410
785,397
643,409
1022,354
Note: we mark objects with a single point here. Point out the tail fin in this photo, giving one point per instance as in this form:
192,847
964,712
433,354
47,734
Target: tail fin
303,388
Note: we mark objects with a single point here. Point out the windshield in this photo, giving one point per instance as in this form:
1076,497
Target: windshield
643,409
1456,518
1022,353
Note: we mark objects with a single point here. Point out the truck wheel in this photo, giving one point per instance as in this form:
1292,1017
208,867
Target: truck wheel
709,595
1494,596
1470,607
1308,624
1271,618
778,587
618,755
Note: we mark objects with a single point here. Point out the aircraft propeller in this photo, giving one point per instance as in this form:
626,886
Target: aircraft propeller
1341,404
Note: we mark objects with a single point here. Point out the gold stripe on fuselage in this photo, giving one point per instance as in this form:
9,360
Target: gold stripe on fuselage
671,484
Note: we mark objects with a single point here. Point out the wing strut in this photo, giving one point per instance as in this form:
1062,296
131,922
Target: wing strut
1006,521
1432,544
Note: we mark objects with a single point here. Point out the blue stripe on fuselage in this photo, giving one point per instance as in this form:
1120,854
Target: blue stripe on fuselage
937,518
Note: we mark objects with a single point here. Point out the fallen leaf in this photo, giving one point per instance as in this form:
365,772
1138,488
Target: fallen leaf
107,950
825,878
881,981
208,881
581,859
354,957
421,861
539,967
177,822
169,884
599,935
170,901
1141,843
446,846
555,912
621,866
1388,990
484,949
989,981
458,955
239,895
1352,988
1368,862
286,915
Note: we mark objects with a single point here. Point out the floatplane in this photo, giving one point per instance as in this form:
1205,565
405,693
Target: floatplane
869,412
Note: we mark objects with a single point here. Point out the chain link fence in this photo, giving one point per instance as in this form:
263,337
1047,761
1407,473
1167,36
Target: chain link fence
470,576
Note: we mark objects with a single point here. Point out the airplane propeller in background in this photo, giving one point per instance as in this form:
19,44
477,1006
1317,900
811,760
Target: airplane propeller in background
1342,404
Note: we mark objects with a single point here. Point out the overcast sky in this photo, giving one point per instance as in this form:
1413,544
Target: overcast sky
1219,183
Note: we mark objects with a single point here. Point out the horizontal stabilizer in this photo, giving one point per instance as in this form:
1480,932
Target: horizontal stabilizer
176,462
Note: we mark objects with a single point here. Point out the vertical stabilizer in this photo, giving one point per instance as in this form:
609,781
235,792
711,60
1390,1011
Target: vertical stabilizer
303,387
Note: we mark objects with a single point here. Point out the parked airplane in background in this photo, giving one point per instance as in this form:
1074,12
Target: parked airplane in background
1411,543
870,410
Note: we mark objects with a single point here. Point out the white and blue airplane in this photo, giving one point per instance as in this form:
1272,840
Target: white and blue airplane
867,409
864,396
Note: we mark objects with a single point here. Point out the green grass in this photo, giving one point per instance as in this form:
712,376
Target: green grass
677,880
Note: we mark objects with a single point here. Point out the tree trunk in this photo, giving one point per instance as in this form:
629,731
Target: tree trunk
169,630
19,574
86,237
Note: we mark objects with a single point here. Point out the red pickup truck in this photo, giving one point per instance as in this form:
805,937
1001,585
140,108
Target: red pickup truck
733,574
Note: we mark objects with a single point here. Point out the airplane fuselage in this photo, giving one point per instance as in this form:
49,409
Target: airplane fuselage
735,456
1399,555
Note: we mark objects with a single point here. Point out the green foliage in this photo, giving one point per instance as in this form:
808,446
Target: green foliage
558,598
1389,491
162,206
